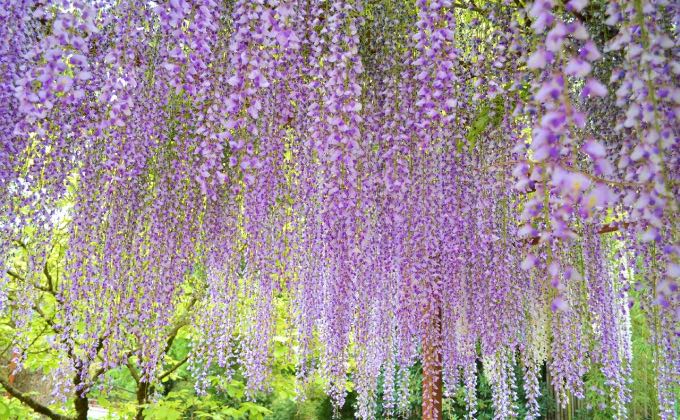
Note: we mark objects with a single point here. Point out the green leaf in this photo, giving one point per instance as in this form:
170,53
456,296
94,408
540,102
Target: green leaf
236,389
162,412
254,409
280,350
206,415
4,411
232,412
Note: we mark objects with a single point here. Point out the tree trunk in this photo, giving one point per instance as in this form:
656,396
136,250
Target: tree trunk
81,403
143,391
432,365
82,406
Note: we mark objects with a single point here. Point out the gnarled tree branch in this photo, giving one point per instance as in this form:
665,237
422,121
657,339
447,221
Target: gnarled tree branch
32,402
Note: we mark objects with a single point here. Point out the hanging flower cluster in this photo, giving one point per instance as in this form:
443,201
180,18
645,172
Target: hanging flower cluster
649,100
429,181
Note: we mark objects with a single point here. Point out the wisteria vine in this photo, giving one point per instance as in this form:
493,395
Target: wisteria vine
412,178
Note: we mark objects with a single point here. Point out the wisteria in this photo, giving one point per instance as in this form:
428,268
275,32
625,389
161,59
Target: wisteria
458,185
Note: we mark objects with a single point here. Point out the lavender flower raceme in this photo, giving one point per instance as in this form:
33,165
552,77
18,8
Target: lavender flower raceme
432,181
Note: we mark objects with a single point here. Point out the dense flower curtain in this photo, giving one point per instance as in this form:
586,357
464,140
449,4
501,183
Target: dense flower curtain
492,180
